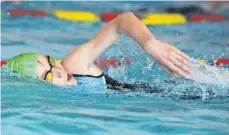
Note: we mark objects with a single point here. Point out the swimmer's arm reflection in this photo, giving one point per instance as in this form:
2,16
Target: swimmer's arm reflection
169,58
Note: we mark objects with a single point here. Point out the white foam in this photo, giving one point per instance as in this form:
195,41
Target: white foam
204,73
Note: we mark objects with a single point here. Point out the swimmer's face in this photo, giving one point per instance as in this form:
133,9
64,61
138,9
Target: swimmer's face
59,74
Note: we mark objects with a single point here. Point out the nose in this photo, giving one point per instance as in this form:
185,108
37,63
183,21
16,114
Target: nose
59,72
58,66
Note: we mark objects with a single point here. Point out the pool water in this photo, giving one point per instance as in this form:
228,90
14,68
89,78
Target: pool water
178,106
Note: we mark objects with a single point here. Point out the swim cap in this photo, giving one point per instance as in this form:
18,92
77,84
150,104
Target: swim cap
25,64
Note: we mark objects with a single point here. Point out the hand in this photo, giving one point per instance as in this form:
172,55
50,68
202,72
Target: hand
169,58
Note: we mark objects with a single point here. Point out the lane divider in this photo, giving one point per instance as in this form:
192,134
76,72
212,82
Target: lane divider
201,62
108,16
209,17
103,63
163,19
76,15
117,62
222,61
19,12
3,62
148,19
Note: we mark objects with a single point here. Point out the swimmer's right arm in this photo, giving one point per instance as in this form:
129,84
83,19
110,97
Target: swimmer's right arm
169,58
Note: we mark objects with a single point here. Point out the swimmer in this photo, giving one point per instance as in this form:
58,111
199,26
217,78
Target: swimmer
215,5
78,66
208,7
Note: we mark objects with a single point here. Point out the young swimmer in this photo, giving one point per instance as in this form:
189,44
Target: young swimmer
78,66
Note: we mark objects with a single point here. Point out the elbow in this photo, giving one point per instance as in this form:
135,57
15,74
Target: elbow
123,20
125,16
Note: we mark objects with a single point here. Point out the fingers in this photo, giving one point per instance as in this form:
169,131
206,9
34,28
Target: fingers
181,60
177,70
173,60
167,70
180,53
185,56
181,63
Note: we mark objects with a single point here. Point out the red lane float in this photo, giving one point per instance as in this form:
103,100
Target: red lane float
22,12
3,62
108,16
214,17
102,63
222,62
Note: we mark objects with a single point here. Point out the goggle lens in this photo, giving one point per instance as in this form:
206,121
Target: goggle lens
49,75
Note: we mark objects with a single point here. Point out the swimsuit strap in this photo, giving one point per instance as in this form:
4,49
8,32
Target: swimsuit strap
77,75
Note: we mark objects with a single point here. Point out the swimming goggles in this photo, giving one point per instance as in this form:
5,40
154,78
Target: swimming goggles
49,75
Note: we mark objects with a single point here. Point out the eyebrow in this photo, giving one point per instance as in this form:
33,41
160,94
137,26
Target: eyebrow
41,63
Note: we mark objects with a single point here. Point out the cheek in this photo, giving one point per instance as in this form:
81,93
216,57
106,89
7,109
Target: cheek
40,71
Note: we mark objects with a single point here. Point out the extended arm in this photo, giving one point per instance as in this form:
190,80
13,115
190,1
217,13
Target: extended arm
168,57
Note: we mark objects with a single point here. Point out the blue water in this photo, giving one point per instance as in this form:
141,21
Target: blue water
34,107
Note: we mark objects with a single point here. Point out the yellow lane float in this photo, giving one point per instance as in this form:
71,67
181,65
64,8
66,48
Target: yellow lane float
163,19
201,62
76,15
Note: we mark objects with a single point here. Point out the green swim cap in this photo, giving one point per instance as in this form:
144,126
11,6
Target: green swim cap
25,64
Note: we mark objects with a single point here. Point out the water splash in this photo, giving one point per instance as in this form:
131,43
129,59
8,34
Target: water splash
207,74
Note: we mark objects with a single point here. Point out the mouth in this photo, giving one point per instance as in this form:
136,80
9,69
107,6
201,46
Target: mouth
71,79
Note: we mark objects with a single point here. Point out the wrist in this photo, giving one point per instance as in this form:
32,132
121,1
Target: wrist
150,44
